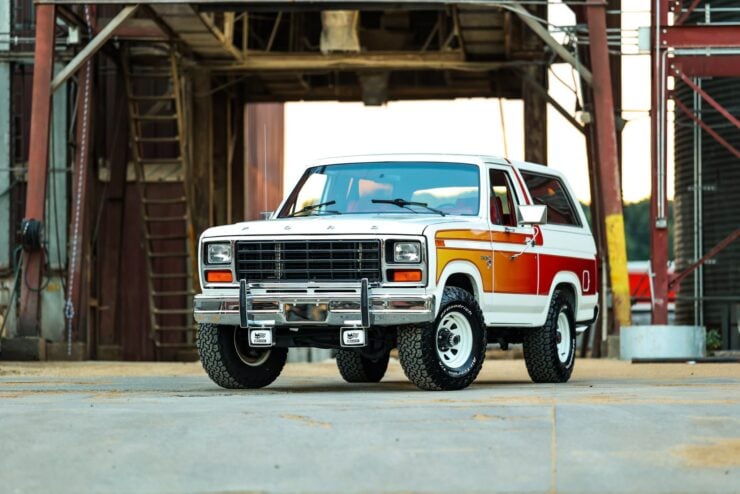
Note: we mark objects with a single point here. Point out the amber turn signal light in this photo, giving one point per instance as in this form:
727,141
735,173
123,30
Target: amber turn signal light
220,276
406,275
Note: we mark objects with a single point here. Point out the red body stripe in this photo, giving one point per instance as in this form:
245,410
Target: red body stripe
551,265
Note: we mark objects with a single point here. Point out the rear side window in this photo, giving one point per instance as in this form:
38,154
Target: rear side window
549,191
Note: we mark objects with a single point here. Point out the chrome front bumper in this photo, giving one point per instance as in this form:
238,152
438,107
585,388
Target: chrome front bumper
313,305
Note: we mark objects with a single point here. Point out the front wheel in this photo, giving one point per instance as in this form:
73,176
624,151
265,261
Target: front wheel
550,351
356,368
231,363
449,353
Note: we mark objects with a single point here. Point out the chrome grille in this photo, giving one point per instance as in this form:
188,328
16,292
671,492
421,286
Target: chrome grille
308,260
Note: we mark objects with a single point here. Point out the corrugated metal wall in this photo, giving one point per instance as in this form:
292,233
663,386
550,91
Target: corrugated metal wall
707,203
707,180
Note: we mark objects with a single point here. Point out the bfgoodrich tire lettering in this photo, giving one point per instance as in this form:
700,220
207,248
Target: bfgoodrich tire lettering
217,347
545,363
355,368
448,353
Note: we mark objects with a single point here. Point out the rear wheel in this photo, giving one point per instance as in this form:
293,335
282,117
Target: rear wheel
231,363
356,368
550,351
448,353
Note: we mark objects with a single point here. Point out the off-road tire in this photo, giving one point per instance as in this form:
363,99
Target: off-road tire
540,345
417,346
224,366
356,368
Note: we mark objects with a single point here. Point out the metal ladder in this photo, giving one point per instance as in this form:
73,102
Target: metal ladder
158,144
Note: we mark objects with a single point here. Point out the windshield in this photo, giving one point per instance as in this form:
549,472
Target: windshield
387,187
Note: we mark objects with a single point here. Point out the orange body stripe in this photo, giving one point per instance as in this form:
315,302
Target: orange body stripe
517,275
481,235
477,257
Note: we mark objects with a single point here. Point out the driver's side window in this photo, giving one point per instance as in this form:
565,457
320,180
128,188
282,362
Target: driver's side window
501,199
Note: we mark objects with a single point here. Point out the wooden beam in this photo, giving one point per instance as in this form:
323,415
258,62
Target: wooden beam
138,29
353,93
290,62
222,38
532,83
92,47
112,227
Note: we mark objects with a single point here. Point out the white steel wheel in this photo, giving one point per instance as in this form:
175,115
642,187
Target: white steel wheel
448,353
562,337
454,340
253,357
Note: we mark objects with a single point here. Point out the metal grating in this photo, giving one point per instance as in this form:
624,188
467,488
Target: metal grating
706,202
308,260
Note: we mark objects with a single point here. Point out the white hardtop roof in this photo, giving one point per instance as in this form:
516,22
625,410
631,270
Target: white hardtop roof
441,157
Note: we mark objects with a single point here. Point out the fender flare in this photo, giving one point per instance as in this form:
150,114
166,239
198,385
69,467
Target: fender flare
567,278
459,267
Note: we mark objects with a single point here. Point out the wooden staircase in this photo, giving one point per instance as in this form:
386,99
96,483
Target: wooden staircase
159,151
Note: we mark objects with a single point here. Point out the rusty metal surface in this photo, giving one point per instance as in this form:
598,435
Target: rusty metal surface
265,133
37,164
609,173
133,320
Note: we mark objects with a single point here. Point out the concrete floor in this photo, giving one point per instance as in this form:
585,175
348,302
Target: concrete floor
616,427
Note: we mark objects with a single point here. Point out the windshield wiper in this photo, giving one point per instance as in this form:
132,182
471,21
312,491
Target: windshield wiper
311,207
403,203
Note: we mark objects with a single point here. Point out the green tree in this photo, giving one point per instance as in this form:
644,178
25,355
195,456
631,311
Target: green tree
637,229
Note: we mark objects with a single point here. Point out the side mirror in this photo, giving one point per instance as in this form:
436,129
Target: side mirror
266,215
531,214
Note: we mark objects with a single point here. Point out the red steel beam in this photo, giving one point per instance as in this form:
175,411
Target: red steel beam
37,164
722,36
704,66
609,176
709,130
658,134
712,102
685,15
715,250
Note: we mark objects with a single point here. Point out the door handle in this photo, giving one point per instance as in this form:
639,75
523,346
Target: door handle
527,244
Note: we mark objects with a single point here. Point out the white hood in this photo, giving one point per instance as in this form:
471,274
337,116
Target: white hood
365,224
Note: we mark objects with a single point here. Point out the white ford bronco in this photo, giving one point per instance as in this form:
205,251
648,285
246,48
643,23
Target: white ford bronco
436,255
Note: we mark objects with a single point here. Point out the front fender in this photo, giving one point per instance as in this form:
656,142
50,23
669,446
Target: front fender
464,267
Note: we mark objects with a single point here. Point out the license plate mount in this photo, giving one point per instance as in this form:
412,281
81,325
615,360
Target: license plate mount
352,337
306,312
261,337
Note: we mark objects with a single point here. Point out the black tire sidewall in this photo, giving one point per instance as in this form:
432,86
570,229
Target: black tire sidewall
356,368
541,347
247,376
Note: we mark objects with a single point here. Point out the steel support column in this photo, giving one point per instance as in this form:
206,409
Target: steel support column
5,152
535,102
659,195
606,147
37,163
535,118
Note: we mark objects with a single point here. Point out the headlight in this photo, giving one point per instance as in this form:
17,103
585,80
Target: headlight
407,252
218,254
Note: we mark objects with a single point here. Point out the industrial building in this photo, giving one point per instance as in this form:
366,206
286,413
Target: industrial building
131,127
